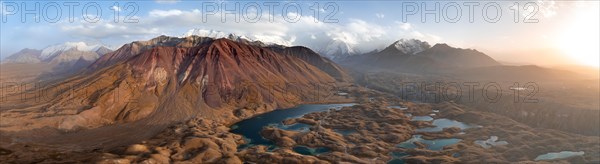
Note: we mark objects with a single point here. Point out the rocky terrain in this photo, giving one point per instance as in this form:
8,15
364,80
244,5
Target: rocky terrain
378,129
376,125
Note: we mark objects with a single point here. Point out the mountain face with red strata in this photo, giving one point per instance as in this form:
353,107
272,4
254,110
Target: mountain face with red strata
169,79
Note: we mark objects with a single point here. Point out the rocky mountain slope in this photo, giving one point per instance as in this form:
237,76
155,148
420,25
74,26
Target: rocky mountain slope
145,86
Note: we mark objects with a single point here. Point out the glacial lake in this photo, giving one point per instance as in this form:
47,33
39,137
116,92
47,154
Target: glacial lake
250,128
436,144
421,118
440,124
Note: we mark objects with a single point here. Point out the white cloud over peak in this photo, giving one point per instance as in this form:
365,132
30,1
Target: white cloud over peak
404,26
363,35
165,13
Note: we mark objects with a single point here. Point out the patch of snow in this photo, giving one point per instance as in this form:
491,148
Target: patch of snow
338,48
342,94
411,46
267,39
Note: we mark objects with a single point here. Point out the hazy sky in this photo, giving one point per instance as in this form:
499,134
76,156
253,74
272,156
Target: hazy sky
520,32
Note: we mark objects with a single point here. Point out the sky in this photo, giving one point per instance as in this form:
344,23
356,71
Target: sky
513,32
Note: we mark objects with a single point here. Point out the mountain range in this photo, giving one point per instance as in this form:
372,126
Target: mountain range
415,56
404,55
65,54
330,48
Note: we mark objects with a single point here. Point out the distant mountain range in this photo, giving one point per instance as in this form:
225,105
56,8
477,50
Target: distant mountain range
404,55
24,56
68,53
411,55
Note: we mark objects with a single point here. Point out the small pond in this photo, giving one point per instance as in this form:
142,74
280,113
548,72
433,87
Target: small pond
310,151
436,144
421,118
345,131
559,155
440,124
493,141
397,107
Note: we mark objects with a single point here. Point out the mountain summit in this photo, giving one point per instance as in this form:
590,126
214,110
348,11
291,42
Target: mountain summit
338,49
411,46
216,34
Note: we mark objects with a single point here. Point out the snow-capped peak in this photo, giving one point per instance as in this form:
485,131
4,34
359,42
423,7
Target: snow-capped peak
80,46
411,46
210,33
338,48
267,39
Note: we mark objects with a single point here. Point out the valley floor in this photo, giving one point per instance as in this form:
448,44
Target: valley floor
379,129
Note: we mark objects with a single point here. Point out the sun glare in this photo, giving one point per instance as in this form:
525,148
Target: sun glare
579,39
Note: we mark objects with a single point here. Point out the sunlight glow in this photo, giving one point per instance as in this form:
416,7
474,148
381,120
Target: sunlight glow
579,40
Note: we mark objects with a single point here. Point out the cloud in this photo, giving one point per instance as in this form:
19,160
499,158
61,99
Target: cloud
105,29
108,30
404,26
165,13
379,15
364,35
166,1
547,7
115,8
